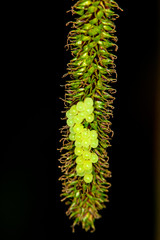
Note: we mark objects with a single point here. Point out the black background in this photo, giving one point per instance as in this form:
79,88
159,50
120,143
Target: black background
33,62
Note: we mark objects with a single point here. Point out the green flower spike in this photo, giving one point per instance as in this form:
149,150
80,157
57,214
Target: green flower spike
88,109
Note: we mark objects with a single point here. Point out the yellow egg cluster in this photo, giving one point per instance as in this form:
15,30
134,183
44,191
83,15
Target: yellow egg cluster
80,111
84,138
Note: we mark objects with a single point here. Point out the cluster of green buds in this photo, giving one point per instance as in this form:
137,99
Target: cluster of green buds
88,104
85,139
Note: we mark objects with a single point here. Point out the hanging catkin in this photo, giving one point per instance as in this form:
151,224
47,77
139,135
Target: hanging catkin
88,109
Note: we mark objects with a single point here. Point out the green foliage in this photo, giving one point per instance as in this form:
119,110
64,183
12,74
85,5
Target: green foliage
92,71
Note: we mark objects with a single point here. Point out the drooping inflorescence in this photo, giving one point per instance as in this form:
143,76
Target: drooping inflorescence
89,107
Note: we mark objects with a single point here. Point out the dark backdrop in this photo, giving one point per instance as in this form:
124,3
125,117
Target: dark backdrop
33,62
